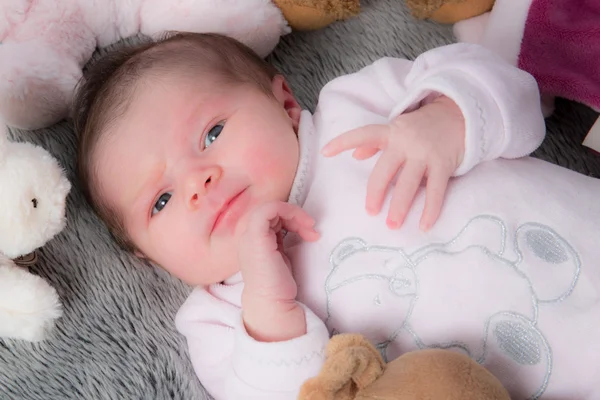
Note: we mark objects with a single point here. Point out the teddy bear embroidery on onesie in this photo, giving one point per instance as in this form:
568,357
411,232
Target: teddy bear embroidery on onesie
438,300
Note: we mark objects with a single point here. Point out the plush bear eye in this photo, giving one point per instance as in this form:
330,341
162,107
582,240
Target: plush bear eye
35,202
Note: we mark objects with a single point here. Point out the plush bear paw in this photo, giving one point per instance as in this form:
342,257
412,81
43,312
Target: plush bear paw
29,306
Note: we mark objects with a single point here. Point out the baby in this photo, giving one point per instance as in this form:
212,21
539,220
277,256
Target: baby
198,157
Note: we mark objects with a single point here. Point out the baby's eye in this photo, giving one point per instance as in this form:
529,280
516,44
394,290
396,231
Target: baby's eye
213,134
161,203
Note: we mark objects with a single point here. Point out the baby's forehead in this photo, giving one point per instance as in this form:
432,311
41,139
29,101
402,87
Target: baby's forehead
158,108
121,163
148,120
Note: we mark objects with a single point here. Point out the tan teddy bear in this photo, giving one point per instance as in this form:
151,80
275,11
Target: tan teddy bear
316,14
354,369
448,11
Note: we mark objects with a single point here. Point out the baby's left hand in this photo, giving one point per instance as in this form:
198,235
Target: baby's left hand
426,143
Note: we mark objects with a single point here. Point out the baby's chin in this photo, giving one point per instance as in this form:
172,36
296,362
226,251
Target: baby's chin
225,280
224,271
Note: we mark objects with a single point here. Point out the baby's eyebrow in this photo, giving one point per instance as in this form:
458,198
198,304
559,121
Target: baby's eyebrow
144,193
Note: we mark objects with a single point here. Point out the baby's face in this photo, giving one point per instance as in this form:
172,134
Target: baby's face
186,164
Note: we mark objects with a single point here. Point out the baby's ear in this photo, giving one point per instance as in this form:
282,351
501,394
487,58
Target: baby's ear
285,97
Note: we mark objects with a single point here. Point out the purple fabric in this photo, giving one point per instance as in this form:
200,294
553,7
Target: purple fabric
561,48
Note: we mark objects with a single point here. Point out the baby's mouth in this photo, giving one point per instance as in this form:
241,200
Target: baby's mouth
227,217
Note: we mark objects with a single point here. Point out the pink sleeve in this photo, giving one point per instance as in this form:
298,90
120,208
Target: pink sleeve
232,365
500,103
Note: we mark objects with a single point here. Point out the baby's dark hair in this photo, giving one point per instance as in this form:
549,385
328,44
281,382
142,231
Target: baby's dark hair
109,86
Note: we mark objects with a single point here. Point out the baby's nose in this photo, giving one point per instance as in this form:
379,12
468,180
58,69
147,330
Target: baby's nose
199,183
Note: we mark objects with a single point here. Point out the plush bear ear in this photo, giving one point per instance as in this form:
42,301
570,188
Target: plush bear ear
544,253
352,364
345,249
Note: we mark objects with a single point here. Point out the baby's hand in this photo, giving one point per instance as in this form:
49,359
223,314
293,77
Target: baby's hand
269,297
425,143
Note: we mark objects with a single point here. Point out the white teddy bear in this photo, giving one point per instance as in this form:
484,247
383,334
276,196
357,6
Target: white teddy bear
44,44
33,192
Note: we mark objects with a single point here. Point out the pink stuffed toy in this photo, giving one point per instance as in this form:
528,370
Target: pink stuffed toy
44,44
557,41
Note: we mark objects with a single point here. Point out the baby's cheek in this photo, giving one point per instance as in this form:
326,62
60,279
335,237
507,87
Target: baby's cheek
274,165
267,168
172,245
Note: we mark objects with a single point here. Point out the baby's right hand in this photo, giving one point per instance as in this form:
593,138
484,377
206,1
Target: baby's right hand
269,298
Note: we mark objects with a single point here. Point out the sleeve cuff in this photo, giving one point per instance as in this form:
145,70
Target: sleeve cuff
468,98
280,366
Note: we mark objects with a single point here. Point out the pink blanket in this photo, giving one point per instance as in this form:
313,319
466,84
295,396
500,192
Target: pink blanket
561,48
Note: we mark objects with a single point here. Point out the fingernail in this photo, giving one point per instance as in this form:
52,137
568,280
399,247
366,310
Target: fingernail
424,226
392,224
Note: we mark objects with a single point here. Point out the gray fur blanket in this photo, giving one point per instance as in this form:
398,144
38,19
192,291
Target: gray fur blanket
117,338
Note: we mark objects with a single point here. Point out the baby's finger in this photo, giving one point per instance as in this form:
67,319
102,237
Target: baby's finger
298,220
363,153
374,136
276,215
437,182
310,234
303,225
299,217
384,171
404,193
297,224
